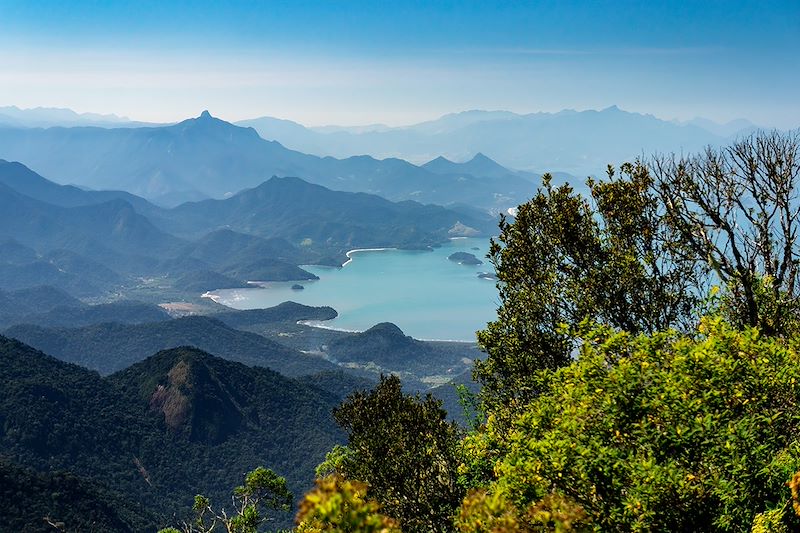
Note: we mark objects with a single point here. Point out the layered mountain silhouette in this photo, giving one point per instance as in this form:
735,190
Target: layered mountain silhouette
23,180
577,142
208,157
90,242
302,212
45,117
113,224
479,165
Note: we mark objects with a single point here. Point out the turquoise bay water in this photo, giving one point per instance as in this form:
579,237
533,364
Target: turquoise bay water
425,294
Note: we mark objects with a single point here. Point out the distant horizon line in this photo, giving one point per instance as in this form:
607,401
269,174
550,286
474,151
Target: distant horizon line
112,118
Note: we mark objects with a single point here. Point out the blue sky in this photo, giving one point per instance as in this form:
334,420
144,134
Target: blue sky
354,62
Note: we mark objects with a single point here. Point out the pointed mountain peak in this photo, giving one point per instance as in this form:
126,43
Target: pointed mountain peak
481,157
225,132
438,161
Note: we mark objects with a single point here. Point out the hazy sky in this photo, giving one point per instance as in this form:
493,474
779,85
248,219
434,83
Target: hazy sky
353,62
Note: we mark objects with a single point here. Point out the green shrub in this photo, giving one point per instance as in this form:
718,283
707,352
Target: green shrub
661,432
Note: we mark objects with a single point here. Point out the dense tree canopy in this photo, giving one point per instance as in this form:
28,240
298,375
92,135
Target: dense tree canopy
641,254
663,432
566,259
404,448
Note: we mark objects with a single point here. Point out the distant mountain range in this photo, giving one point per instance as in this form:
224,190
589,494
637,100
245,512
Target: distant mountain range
109,347
206,157
210,158
48,117
577,142
728,129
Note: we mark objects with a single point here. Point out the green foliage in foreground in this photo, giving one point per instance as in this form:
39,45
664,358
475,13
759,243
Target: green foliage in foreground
262,490
337,505
660,423
404,448
610,258
663,432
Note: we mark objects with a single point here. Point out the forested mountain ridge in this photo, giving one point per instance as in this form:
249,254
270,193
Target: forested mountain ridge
31,306
112,224
42,501
297,210
24,180
386,346
180,422
110,347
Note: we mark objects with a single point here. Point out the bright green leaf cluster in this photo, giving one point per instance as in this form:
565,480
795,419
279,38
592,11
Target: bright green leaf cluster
662,432
337,505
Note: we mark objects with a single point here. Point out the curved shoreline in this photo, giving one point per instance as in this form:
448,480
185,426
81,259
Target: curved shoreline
213,297
356,250
245,298
321,325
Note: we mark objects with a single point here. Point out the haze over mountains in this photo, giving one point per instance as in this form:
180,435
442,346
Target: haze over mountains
576,142
207,157
47,117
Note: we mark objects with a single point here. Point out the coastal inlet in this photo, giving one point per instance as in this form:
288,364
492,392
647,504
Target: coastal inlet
425,293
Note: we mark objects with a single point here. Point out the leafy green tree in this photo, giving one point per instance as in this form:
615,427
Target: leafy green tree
666,432
565,259
262,490
482,512
337,505
406,451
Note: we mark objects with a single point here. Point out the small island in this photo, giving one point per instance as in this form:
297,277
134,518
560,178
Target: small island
465,258
297,287
487,275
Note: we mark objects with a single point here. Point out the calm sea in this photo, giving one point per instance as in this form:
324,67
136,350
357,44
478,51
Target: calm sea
425,294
